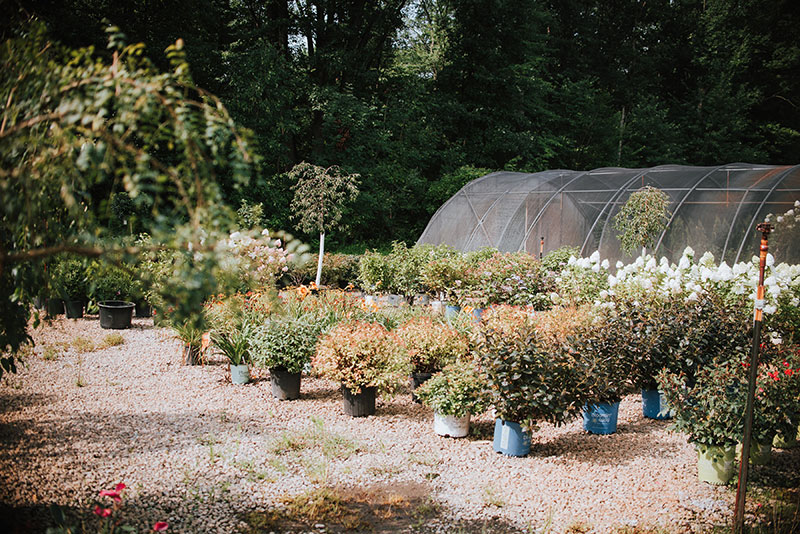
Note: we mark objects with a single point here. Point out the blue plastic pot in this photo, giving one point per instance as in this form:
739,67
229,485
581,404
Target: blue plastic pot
510,439
451,311
654,405
476,314
601,418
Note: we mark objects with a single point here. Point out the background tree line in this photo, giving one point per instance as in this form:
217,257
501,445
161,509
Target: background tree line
420,96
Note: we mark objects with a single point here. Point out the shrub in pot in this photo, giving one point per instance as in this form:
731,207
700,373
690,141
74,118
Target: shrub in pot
430,346
454,394
531,374
69,281
364,358
284,344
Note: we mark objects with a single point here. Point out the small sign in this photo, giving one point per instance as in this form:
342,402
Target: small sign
504,436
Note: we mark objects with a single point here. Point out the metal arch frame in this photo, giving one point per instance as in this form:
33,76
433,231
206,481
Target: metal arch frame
681,203
481,219
764,201
736,216
510,219
546,204
449,200
615,196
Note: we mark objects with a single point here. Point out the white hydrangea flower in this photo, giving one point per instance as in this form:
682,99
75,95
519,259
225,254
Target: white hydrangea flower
688,251
620,265
770,260
605,264
595,257
770,309
779,219
684,263
612,280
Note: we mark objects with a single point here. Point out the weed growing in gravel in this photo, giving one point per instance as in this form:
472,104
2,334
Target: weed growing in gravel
317,469
315,436
384,470
325,505
50,353
79,381
428,460
278,465
253,473
112,340
83,344
492,498
579,527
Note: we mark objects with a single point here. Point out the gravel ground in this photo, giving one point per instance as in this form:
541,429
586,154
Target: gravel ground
209,456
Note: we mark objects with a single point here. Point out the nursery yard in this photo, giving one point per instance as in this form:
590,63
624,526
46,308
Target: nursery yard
205,455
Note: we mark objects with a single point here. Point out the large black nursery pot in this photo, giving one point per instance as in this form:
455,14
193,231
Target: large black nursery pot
143,309
55,307
74,309
285,385
115,314
361,404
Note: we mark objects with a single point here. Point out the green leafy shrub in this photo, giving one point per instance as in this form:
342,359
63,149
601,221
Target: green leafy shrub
338,270
533,376
69,279
457,390
286,341
642,218
505,278
109,282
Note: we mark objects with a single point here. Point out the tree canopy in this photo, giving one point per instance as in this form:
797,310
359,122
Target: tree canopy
409,93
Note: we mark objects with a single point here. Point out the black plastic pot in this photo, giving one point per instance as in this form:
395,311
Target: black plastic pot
143,309
55,307
360,405
285,385
74,309
115,314
417,379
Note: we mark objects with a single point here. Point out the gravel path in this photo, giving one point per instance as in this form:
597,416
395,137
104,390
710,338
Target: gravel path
209,456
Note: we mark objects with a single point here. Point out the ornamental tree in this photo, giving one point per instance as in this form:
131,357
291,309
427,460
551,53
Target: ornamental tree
642,218
320,195
76,129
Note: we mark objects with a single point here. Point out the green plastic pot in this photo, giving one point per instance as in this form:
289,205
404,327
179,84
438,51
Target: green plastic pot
715,464
779,442
760,453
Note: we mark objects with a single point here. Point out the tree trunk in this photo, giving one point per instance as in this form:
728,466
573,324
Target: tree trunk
319,261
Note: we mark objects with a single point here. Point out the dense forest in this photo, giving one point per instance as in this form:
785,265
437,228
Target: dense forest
420,96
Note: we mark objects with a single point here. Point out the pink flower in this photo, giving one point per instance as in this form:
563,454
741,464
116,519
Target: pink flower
102,512
120,486
161,526
111,493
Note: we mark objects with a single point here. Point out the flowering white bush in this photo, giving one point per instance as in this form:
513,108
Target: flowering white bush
647,279
258,258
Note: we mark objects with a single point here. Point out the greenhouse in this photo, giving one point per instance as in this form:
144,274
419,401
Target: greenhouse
712,209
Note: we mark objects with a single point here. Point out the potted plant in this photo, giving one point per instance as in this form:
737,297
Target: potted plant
429,346
530,372
454,394
70,282
235,344
112,289
364,358
192,339
284,344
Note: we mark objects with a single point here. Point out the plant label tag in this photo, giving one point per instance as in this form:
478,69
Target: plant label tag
504,437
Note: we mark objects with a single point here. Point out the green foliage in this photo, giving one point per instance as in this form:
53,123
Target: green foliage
80,127
642,218
69,279
457,390
250,216
109,282
338,270
320,195
530,372
286,342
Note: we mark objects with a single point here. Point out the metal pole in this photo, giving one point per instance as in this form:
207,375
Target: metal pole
744,461
541,248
